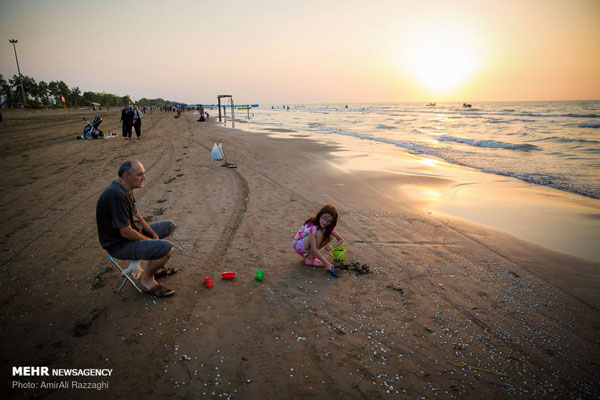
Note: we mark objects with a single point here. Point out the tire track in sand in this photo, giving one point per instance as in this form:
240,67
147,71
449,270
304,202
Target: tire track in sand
241,206
230,230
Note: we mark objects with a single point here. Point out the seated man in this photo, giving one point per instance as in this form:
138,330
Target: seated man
125,234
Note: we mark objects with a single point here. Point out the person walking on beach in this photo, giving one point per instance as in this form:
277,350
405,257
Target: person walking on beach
315,235
137,122
126,235
127,121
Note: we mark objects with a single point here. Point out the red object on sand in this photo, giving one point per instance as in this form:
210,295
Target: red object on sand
208,280
228,275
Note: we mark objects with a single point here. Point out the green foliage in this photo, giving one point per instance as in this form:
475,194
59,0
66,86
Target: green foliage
156,102
5,91
42,94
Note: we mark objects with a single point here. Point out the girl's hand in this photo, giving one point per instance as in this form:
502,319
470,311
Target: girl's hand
327,248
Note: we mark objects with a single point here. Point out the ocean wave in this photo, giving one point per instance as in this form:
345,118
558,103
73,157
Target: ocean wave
560,139
541,179
589,125
582,115
488,143
542,115
382,126
403,144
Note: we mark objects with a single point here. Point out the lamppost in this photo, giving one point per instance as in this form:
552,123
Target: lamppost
14,42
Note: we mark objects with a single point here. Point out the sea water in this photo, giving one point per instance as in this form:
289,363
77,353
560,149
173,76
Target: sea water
555,144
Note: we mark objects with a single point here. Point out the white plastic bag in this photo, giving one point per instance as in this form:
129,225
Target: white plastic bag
217,152
134,269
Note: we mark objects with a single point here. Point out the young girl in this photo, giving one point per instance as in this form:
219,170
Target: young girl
315,234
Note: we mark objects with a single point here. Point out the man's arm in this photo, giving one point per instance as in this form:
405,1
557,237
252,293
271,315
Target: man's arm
146,227
127,232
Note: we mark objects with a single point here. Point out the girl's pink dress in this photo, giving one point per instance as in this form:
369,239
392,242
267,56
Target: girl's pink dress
298,242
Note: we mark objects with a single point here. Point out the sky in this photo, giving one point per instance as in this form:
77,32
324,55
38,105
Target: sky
310,51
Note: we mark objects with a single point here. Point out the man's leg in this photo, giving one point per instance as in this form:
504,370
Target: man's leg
165,230
148,281
156,252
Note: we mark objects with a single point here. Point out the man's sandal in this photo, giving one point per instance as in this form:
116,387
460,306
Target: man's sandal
158,290
164,271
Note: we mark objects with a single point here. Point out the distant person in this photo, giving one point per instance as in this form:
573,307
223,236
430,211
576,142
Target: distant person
315,235
125,234
137,122
127,121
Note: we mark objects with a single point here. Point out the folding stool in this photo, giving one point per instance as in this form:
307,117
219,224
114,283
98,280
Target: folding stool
125,275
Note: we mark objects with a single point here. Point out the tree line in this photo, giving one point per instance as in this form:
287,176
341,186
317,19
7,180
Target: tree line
50,94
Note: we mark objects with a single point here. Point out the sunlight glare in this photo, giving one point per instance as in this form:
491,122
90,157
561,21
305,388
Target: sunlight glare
440,58
430,162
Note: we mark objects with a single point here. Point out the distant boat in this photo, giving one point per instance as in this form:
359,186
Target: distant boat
430,104
465,105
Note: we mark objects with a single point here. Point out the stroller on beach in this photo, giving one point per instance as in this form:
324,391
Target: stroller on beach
91,131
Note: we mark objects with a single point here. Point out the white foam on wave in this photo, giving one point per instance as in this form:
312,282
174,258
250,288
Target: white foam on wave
488,143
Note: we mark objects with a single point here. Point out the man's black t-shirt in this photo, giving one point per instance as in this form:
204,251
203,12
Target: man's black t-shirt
127,116
115,209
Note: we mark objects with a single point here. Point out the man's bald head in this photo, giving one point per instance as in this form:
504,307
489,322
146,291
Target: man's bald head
127,166
132,174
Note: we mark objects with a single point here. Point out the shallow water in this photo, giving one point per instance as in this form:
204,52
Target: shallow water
555,144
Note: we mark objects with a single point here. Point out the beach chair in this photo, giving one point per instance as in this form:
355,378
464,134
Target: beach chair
125,274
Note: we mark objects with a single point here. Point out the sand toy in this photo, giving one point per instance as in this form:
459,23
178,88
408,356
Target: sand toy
339,253
260,275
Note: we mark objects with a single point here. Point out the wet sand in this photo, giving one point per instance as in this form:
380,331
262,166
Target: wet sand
449,308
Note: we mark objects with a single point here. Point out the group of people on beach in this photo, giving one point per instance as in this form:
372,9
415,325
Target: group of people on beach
131,117
126,235
203,114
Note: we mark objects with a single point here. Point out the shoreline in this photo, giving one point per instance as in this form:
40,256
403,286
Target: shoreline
560,220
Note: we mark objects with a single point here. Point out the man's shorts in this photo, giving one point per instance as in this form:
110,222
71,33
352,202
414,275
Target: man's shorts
146,249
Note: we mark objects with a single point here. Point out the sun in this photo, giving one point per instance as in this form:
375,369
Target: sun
440,60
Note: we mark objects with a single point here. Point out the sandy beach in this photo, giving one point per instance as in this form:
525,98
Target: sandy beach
455,304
